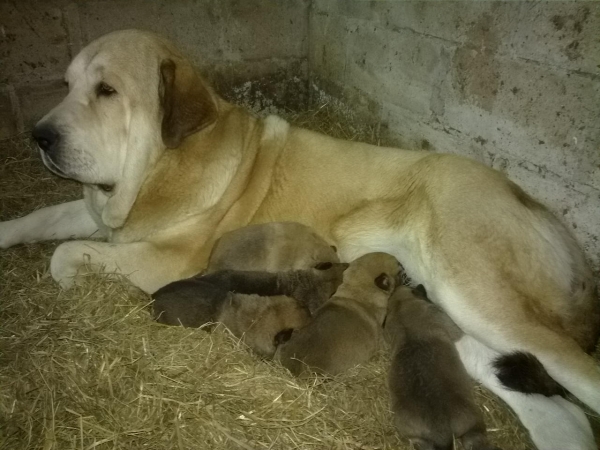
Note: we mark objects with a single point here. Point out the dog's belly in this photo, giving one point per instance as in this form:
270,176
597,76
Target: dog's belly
398,243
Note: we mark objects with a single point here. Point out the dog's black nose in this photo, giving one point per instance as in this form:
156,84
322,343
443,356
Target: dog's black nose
46,136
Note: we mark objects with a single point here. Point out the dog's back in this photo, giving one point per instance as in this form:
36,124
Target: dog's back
430,389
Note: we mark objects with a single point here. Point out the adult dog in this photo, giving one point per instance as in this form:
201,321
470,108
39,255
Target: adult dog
167,167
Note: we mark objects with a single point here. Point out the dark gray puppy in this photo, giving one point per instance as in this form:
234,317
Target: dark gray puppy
262,321
346,330
271,247
431,392
311,287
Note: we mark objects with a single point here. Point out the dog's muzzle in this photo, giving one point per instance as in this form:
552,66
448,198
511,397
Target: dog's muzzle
48,140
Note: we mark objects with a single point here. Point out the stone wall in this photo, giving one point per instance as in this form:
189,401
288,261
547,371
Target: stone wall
254,50
515,85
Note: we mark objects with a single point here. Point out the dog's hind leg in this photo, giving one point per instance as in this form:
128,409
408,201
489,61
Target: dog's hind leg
553,422
511,329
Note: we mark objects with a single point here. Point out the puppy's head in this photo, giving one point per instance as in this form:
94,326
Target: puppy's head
372,274
320,250
403,294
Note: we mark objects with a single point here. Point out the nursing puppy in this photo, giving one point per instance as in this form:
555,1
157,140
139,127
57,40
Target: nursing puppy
259,320
346,330
430,389
311,288
271,247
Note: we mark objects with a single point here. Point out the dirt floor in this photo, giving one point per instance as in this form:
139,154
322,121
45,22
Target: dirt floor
88,369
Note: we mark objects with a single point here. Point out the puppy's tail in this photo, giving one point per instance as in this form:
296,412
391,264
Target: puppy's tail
523,372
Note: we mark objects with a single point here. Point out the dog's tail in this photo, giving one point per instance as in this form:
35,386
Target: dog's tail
523,372
561,356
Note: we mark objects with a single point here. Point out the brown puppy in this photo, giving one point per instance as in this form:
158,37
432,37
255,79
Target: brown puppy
272,247
431,391
262,322
258,320
346,329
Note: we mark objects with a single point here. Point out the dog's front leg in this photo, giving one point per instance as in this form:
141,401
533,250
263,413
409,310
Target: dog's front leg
147,265
65,221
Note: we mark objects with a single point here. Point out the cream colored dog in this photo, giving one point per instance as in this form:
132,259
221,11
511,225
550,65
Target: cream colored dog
167,167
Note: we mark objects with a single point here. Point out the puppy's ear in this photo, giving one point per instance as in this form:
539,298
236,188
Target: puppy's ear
420,292
186,103
383,281
324,266
283,336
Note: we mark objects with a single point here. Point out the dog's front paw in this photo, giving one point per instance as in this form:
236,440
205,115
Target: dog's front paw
10,233
66,261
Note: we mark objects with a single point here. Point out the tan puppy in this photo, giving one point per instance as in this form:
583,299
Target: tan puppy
271,247
345,331
168,167
263,322
432,394
256,320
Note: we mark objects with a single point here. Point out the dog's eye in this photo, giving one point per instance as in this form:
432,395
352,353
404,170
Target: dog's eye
104,90
106,187
324,266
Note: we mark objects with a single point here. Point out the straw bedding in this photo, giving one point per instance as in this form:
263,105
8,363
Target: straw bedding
87,368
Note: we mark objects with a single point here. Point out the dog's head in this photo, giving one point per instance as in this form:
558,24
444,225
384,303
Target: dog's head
131,95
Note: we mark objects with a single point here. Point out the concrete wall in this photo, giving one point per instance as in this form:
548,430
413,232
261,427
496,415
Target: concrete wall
254,50
515,85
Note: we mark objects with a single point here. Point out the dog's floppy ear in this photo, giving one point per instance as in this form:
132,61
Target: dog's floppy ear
186,103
